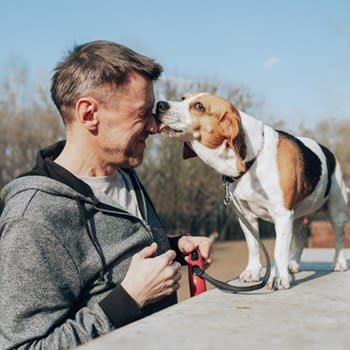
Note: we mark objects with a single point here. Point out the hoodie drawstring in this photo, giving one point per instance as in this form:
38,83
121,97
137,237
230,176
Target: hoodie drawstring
84,218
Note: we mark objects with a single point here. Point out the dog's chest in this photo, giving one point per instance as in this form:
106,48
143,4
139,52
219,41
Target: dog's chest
255,200
258,207
258,190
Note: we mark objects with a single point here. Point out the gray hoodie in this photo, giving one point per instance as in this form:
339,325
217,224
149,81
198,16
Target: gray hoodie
63,255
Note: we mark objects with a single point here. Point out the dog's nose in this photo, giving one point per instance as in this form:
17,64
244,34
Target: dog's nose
162,106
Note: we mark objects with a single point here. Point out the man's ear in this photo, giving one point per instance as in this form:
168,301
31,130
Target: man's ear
86,109
230,123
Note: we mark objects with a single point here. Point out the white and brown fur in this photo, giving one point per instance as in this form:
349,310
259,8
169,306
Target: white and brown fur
277,177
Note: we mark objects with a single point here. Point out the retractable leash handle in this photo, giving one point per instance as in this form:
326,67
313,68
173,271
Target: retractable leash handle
197,283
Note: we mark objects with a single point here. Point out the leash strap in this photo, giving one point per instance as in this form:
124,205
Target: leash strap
229,287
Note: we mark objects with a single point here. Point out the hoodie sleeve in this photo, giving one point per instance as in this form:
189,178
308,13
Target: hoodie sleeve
174,244
39,288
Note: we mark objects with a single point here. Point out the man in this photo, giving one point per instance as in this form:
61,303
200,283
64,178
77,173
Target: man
82,250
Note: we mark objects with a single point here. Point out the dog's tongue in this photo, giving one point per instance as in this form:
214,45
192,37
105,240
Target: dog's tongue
161,127
188,152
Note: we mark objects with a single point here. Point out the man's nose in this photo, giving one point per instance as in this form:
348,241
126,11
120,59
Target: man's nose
162,106
153,125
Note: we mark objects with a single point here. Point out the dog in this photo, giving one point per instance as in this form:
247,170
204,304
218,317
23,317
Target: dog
275,176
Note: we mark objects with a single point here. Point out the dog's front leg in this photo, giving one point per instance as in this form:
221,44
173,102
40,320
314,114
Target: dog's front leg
284,229
252,271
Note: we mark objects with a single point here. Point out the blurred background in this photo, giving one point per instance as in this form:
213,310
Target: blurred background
286,63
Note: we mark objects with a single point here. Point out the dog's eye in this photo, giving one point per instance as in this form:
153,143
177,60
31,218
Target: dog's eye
199,107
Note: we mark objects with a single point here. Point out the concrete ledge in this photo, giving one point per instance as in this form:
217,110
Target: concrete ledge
313,314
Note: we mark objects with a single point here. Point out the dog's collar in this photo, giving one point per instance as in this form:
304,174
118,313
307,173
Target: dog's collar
232,179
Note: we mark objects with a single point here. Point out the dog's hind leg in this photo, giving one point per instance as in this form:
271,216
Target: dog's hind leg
337,211
252,272
300,238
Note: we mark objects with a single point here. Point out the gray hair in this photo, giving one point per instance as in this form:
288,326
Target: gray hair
94,65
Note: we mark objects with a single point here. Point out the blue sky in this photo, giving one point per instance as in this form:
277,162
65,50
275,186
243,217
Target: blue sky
292,55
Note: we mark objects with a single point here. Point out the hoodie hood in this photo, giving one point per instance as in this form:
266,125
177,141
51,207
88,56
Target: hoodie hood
49,177
45,166
43,184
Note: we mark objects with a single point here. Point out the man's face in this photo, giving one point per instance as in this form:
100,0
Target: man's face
126,121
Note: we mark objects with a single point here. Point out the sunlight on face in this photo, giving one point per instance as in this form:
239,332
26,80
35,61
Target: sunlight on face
126,122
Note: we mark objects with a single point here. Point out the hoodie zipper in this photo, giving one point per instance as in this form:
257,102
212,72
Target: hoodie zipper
142,197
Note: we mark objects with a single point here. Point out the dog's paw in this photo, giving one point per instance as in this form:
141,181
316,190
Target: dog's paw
277,283
250,275
293,267
340,266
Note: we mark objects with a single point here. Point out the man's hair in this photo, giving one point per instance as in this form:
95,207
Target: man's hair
92,66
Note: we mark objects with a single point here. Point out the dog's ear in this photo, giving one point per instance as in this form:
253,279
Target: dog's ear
231,126
188,152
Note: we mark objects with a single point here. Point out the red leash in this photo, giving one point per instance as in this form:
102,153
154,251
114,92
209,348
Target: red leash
197,283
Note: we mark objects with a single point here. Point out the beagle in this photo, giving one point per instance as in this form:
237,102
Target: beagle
274,176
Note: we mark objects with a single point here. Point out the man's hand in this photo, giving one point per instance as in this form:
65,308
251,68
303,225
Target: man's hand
151,278
187,244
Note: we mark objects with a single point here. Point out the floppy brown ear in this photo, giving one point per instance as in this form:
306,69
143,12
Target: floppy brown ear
188,152
230,123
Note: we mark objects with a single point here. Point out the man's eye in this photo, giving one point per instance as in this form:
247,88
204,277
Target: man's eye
146,114
199,107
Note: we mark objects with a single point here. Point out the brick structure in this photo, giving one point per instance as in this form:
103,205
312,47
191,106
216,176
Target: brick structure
322,235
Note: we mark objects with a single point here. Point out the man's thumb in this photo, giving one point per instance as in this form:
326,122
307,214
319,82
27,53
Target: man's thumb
149,252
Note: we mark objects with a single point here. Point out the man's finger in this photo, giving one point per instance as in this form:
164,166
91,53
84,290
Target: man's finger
187,245
148,252
205,249
167,258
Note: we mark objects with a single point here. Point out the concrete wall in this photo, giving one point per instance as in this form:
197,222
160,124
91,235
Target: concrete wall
313,314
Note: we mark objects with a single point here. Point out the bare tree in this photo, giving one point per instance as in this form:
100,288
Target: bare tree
28,122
